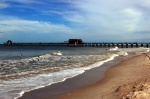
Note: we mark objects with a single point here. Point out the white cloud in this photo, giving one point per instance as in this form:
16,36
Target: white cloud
132,18
3,5
142,3
111,17
132,12
33,31
92,19
25,1
18,25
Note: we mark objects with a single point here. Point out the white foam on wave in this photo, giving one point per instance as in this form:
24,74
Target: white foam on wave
114,49
60,76
38,58
20,95
57,77
17,87
145,49
139,49
122,53
18,66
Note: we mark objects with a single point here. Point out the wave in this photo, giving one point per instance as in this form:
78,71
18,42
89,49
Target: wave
137,51
34,65
65,74
24,66
17,87
114,49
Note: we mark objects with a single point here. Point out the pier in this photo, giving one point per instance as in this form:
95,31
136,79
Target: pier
83,44
118,44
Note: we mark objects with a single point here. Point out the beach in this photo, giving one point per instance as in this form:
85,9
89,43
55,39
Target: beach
97,73
124,79
127,80
55,91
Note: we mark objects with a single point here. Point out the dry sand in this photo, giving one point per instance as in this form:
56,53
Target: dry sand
128,80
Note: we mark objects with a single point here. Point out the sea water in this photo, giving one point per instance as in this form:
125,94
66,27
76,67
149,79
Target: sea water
25,68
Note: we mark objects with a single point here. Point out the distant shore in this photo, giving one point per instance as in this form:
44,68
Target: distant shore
127,80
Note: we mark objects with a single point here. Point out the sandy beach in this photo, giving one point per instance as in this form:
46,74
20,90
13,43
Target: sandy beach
128,80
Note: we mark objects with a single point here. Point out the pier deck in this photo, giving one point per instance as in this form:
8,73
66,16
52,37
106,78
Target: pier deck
86,44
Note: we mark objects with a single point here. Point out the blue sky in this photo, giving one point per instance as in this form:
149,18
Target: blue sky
90,20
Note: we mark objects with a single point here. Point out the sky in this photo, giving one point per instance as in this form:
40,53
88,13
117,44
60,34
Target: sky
89,20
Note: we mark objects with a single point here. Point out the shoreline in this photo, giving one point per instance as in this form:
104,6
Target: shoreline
79,81
121,81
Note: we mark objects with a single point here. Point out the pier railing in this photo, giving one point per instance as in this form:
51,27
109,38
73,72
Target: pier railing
87,44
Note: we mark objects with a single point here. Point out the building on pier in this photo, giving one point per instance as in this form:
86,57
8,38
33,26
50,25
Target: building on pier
75,42
9,42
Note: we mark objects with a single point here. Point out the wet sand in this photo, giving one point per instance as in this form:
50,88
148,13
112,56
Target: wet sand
129,79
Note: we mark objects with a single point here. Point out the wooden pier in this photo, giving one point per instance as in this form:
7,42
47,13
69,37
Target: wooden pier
84,44
118,44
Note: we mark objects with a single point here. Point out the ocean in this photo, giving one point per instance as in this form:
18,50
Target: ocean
26,68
